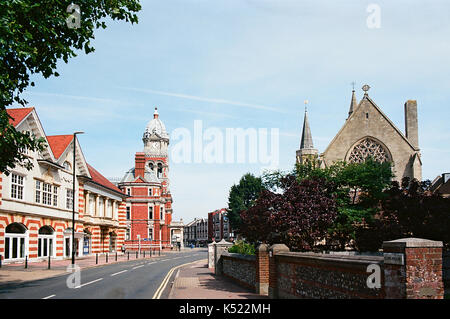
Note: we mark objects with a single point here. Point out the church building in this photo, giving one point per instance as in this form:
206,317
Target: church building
149,205
368,132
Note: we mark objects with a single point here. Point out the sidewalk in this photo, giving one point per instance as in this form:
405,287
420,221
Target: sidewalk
197,281
16,272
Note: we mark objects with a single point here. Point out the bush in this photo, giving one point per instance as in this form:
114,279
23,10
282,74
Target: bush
241,247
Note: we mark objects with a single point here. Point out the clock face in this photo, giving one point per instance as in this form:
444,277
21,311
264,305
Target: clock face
155,145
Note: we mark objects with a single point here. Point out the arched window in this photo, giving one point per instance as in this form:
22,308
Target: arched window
15,241
45,241
16,228
366,148
160,170
151,166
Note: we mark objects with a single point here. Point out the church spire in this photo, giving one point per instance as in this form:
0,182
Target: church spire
353,103
307,152
306,141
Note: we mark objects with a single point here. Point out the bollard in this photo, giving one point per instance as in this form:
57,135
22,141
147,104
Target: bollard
26,262
49,261
144,253
159,252
0,261
106,257
136,254
116,255
96,259
128,255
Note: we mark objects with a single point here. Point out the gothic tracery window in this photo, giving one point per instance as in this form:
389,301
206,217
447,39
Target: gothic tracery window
368,148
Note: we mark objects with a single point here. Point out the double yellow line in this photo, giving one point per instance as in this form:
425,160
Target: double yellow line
163,285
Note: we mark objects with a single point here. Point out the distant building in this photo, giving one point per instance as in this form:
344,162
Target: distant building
196,232
441,185
177,232
219,226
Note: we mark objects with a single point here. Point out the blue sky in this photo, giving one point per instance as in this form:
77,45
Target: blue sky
250,64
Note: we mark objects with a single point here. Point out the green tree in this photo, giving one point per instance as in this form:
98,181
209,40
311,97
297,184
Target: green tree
242,196
358,190
34,36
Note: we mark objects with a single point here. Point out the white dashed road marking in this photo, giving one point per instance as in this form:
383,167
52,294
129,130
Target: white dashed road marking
88,283
138,267
118,272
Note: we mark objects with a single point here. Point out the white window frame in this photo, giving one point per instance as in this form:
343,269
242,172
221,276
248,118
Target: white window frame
128,213
69,199
52,252
150,233
150,209
17,186
10,237
38,191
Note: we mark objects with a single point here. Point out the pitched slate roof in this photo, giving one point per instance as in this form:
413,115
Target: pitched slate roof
100,179
59,143
18,114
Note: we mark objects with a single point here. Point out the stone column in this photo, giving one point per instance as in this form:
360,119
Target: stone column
219,248
211,250
274,249
413,269
262,269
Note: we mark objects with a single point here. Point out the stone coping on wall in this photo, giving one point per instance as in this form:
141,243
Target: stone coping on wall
412,243
327,258
249,258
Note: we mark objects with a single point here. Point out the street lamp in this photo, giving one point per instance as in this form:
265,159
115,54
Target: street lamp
73,200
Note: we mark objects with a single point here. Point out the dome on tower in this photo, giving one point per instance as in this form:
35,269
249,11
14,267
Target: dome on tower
156,126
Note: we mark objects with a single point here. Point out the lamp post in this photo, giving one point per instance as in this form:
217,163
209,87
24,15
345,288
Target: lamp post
73,200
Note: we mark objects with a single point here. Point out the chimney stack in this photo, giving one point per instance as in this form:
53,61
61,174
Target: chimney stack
139,169
411,123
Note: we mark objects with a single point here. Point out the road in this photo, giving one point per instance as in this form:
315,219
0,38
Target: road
138,279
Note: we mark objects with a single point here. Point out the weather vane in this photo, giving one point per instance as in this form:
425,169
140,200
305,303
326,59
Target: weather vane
306,104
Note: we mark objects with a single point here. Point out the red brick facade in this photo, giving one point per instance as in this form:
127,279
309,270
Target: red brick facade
149,203
38,223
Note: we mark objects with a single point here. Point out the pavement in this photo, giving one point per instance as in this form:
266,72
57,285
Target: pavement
17,273
197,281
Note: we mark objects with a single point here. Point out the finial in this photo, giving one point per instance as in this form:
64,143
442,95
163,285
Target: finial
306,105
366,88
353,85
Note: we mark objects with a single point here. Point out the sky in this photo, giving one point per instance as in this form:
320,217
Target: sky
250,64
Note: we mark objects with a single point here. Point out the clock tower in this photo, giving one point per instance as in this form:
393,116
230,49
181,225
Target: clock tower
150,202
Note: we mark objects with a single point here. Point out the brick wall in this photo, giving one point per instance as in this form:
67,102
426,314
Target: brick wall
446,272
318,276
409,268
240,268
